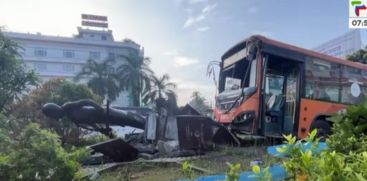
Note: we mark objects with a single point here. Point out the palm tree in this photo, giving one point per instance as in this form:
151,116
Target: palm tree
161,89
101,79
162,94
164,97
135,75
199,103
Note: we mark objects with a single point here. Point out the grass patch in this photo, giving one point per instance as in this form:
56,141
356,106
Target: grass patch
214,161
144,171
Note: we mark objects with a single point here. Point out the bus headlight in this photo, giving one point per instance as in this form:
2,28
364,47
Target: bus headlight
245,117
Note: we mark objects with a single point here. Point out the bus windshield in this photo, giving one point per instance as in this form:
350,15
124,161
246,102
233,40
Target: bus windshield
234,77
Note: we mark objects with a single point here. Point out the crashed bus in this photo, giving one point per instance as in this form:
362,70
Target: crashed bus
269,88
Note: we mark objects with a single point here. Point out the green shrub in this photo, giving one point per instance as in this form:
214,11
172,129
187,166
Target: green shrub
36,154
187,170
346,156
349,130
233,172
58,91
328,165
92,139
264,175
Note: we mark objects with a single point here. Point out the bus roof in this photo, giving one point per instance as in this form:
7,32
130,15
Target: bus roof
289,51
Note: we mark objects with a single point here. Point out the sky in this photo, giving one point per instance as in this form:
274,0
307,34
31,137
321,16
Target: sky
182,36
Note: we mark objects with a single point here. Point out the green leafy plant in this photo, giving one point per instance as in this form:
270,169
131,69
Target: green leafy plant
233,172
15,79
309,164
346,156
36,154
261,175
349,130
59,91
92,139
187,170
301,160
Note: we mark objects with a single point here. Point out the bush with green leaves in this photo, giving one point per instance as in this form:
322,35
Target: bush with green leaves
36,154
263,175
15,79
92,139
300,159
349,130
187,170
233,172
327,165
58,91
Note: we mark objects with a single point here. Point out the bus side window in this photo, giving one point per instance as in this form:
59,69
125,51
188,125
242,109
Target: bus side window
309,90
353,85
322,80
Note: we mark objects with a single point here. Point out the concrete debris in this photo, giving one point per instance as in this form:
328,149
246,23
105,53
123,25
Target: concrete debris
166,134
166,147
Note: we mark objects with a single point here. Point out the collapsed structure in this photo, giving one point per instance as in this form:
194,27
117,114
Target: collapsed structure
165,134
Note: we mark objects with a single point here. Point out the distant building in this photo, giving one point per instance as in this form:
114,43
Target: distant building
343,45
56,56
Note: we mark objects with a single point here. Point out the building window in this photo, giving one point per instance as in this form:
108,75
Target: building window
103,37
95,55
68,53
40,67
111,55
40,52
68,67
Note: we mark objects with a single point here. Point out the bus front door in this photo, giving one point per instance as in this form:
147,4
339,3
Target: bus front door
281,97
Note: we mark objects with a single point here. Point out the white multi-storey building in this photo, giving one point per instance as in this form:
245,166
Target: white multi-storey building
56,56
344,45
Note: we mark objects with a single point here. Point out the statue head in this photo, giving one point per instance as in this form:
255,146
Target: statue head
53,110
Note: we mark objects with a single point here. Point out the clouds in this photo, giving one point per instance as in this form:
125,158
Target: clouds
193,20
202,14
209,8
185,88
197,1
203,29
172,52
182,61
189,75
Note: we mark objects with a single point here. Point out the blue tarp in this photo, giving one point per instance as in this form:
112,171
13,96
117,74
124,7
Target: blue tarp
272,150
278,173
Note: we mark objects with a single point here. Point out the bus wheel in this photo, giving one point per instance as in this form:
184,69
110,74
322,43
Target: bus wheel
323,129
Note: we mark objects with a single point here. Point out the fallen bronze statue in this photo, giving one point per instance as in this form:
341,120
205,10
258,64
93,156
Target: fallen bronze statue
165,134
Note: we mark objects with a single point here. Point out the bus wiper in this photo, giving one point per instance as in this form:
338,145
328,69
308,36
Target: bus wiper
242,93
235,102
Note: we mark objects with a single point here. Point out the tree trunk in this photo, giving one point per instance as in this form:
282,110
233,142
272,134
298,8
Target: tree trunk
162,116
136,97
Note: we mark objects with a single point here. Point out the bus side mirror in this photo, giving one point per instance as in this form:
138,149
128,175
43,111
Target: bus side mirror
248,91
